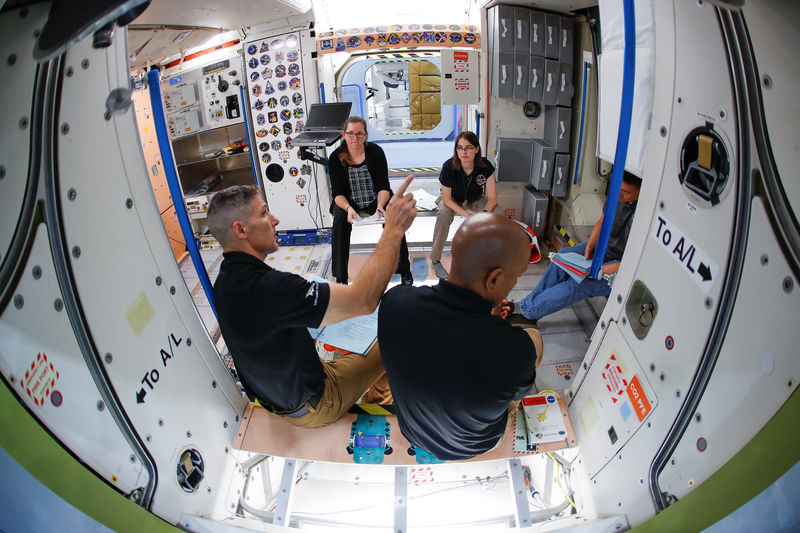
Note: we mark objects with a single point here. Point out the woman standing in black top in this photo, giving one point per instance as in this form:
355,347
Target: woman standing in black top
468,187
360,188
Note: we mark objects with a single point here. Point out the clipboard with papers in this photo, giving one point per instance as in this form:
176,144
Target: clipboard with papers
357,334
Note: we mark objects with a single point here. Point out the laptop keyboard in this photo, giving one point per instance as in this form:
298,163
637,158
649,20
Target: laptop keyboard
317,134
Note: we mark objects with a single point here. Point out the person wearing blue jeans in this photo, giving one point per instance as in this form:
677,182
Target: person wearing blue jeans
557,290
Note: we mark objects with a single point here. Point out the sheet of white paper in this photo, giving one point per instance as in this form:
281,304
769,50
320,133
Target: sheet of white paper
425,200
373,219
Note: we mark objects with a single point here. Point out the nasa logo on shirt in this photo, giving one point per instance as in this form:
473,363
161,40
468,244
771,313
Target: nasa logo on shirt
313,292
481,180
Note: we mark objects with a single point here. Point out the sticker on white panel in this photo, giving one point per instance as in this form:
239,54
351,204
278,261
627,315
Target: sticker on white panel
614,379
149,382
39,380
695,262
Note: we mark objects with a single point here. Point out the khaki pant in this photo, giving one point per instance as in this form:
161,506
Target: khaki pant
445,217
346,379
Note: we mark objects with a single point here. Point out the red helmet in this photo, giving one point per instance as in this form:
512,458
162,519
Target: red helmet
536,253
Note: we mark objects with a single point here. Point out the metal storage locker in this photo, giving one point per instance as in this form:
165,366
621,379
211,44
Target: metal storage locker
551,35
505,29
514,158
521,75
565,36
552,71
537,33
503,76
522,28
560,175
534,209
565,89
536,79
557,124
542,165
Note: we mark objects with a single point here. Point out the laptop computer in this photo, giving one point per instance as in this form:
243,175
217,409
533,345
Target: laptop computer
324,124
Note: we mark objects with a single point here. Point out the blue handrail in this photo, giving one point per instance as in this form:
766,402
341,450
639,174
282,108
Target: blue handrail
623,135
253,152
174,184
478,124
583,113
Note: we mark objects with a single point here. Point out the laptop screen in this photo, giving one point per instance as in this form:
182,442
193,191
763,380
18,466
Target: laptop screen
328,115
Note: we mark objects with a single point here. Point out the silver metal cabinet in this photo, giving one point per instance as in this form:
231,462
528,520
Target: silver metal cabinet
551,34
534,209
521,75
537,32
503,76
504,42
536,79
552,73
557,125
514,159
565,38
560,176
542,165
522,28
565,88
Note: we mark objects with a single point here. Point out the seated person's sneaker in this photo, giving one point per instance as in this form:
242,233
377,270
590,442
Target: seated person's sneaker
439,270
406,278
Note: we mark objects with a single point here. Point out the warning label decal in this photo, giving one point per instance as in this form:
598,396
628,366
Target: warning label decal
40,378
614,378
638,398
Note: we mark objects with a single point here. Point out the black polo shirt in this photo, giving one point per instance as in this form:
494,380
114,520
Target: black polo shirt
458,181
263,315
621,228
452,366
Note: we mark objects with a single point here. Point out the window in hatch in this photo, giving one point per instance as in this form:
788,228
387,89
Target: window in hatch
403,96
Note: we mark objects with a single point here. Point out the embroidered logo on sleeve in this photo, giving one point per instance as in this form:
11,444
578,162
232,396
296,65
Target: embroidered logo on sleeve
313,292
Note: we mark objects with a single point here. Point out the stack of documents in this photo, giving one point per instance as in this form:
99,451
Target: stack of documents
574,264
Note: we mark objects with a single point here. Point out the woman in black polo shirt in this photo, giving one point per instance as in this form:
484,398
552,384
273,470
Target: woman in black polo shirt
360,188
468,187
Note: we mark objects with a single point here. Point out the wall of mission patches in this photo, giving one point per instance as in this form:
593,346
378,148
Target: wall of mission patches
410,35
277,102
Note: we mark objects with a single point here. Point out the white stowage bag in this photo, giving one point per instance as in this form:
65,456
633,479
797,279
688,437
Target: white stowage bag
610,75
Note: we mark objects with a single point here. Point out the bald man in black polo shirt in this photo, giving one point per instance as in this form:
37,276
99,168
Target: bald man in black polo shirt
263,313
456,366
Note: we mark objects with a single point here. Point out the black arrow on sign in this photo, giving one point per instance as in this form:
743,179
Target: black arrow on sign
140,395
704,271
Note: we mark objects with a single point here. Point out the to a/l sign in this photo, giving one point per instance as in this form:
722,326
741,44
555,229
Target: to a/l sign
694,261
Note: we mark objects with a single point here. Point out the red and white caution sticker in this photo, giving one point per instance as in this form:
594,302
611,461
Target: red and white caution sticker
615,378
421,474
565,370
40,378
